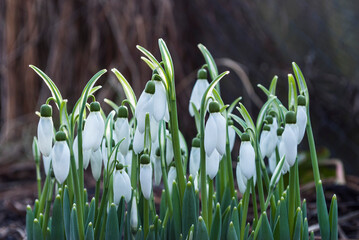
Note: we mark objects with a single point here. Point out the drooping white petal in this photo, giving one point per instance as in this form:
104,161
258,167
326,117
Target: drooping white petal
210,135
263,143
199,88
75,149
93,131
301,122
172,175
128,161
195,183
157,170
169,150
47,163
104,153
232,137
247,159
159,101
154,129
289,139
221,133
241,179
134,214
138,141
212,164
96,164
146,179
61,160
272,162
194,161
122,131
121,186
45,134
120,158
144,105
86,157
272,140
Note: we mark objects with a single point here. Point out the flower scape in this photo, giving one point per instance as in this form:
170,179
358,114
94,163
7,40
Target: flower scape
139,144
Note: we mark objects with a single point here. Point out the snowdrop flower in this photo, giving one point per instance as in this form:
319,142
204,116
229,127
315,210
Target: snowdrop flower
121,185
194,157
160,111
289,138
61,157
199,88
128,160
134,214
215,131
94,128
157,166
145,105
281,150
172,175
122,129
212,164
231,135
169,149
45,131
241,179
86,153
47,162
104,152
301,117
263,141
272,162
247,157
272,138
138,141
96,163
146,176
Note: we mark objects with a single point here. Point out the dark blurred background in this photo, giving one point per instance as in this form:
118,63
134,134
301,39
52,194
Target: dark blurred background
71,40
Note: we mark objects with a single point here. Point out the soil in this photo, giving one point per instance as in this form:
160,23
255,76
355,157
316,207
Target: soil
18,189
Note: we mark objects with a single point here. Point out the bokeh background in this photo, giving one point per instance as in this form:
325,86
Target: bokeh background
254,39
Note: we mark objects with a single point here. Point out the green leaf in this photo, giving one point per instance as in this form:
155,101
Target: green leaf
262,113
202,230
112,231
226,219
212,67
74,227
302,85
176,210
333,218
322,213
276,174
243,111
167,59
89,233
233,104
273,85
126,87
276,231
91,214
121,215
216,224
37,233
264,89
297,225
231,234
67,212
264,227
283,220
111,104
236,222
240,121
50,84
57,226
292,93
29,222
311,235
189,214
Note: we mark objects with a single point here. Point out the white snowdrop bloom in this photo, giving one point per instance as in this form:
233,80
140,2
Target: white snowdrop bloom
138,141
215,131
272,162
263,141
96,164
301,117
160,109
86,153
145,105
212,164
122,129
154,125
128,161
241,179
281,150
134,214
289,138
231,135
47,162
61,157
121,185
195,183
169,149
158,168
247,157
45,130
172,175
104,153
146,176
272,138
194,157
94,128
199,88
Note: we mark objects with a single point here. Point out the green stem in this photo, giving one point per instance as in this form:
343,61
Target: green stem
221,177
134,168
297,186
210,203
313,152
259,179
47,210
229,166
291,200
254,199
43,195
97,196
245,209
146,215
165,183
204,203
38,178
102,206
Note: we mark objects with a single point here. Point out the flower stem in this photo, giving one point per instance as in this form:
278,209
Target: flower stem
210,204
229,168
313,152
245,209
38,178
47,210
292,196
203,175
259,179
134,167
254,200
97,196
99,216
146,215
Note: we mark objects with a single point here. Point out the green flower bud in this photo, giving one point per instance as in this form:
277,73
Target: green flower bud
290,117
46,110
196,142
280,131
60,136
145,159
245,137
269,119
95,107
272,113
213,107
230,122
301,100
202,74
150,87
156,77
119,166
122,112
266,128
158,152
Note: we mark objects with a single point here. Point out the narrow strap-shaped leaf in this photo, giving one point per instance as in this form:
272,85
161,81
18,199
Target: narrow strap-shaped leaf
202,230
91,214
264,89
226,219
226,198
283,221
273,85
311,235
298,225
233,104
74,227
216,224
304,209
66,212
29,222
276,230
167,59
176,210
302,85
89,232
245,114
130,94
37,233
305,234
266,230
57,224
139,234
236,222
112,231
231,234
292,93
212,67
191,232
263,111
111,104
333,218
246,231
322,213
121,215
189,215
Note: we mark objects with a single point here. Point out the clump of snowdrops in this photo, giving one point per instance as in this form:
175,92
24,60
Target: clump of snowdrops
138,145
